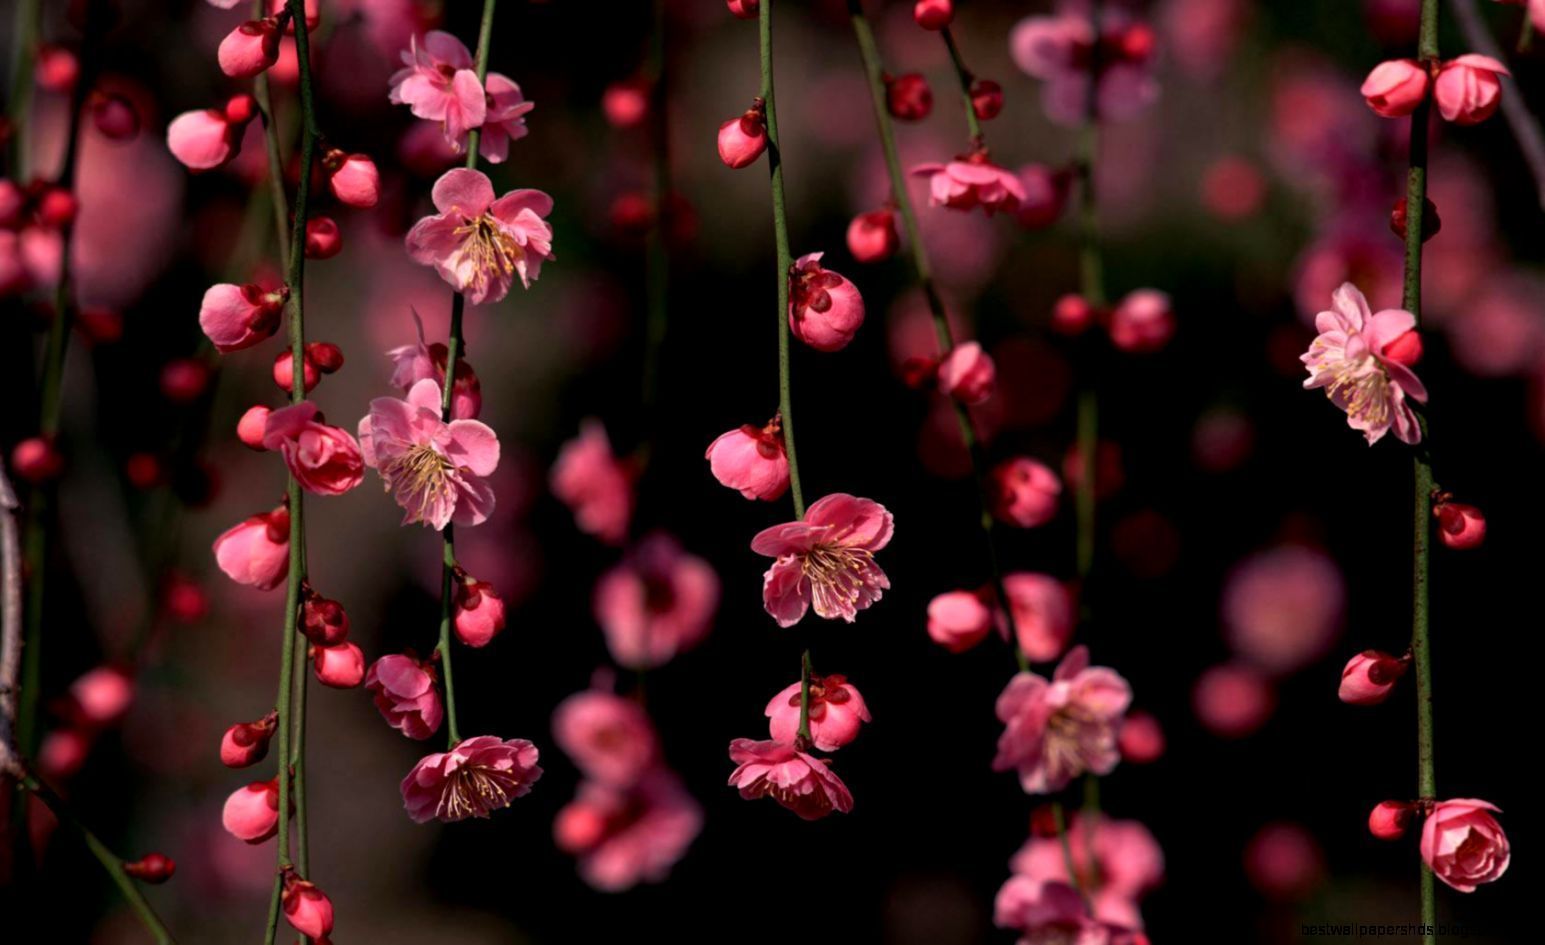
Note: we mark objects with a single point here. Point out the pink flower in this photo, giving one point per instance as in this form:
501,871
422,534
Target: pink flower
414,363
837,711
479,615
825,309
1348,359
479,244
752,460
1023,492
1370,676
239,316
1389,819
872,236
1282,608
1142,322
1141,738
251,813
1232,700
1045,195
439,84
1043,614
743,139
475,778
657,602
435,470
341,666
1395,88
100,697
1463,844
403,689
506,118
353,178
1461,526
609,738
322,458
959,620
257,551
306,907
826,560
801,782
250,48
246,743
206,138
627,837
1116,866
1056,730
1059,50
1469,89
967,374
1048,912
594,484
1284,861
970,182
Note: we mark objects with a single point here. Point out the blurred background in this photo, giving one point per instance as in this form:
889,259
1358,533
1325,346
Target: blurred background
1249,542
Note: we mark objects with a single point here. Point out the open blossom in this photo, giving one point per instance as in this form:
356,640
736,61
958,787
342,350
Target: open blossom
609,738
594,484
1463,844
475,778
1117,865
657,602
1049,912
403,689
239,316
322,458
837,711
1043,614
1350,359
801,782
825,309
626,837
970,182
1058,729
414,363
505,120
1059,50
479,244
435,470
752,459
257,551
438,83
826,560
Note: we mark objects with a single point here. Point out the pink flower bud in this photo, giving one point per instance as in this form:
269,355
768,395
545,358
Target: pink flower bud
958,620
837,712
323,239
252,812
479,612
250,48
752,460
744,9
872,236
114,117
323,620
341,666
742,140
933,14
312,13
1141,740
1431,223
1460,526
1369,677
908,97
1389,820
249,429
1046,196
1404,349
239,316
246,743
1469,89
57,207
968,374
100,698
153,868
240,109
353,178
1072,314
825,309
580,826
1023,492
986,99
403,689
1463,844
184,599
184,380
1396,87
1143,322
257,551
284,372
327,356
36,460
63,753
100,325
625,103
307,908
57,68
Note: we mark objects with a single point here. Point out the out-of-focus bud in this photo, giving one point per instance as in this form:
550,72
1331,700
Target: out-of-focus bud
908,97
153,868
1389,820
933,14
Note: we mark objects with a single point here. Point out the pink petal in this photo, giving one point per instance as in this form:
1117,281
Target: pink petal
474,445
463,191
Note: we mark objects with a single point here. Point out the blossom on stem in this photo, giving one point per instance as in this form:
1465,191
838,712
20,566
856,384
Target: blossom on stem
1370,676
752,460
479,244
250,48
1349,359
257,550
479,611
505,120
624,837
1463,844
403,689
206,138
306,907
439,83
1117,863
972,181
1389,819
1058,729
825,309
743,139
338,667
1396,87
435,470
594,484
414,363
826,560
324,459
476,777
657,602
837,711
251,813
1461,526
246,743
1468,89
798,781
352,178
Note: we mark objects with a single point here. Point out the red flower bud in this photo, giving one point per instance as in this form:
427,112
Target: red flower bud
326,356
246,743
986,99
153,868
1461,526
933,14
1431,222
324,621
323,239
1389,820
908,97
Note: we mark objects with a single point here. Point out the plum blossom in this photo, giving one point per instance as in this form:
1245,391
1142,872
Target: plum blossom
1058,729
323,459
1463,844
414,363
970,182
658,602
751,460
435,470
626,837
826,560
256,551
403,689
506,118
1349,359
1059,49
1117,864
801,782
478,243
595,484
837,711
609,738
1050,912
475,778
438,83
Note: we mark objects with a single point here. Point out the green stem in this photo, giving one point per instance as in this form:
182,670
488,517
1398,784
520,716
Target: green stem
1092,286
24,54
785,258
802,737
874,69
1060,819
275,154
973,125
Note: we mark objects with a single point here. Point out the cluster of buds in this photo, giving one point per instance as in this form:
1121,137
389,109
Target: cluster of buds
1142,322
967,374
1467,90
335,660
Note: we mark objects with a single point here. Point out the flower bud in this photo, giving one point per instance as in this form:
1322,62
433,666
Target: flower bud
284,371
479,612
114,117
246,743
1431,223
57,207
1469,89
1143,322
249,429
1046,196
752,460
744,9
1141,740
742,140
625,103
184,599
825,309
340,667
153,868
933,14
1023,492
239,316
306,908
353,178
959,620
250,48
100,698
323,621
968,374
872,236
1369,677
36,460
1461,526
256,551
908,97
1396,87
1389,820
1404,349
144,470
323,239
327,356
184,380
57,68
1072,314
251,813
986,99
240,109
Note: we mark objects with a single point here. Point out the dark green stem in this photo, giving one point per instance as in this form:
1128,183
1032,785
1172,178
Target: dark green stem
18,108
275,154
1060,820
785,258
802,739
973,125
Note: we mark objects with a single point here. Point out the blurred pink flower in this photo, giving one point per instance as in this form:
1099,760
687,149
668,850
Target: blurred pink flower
479,244
594,484
323,459
1142,321
968,374
1043,614
435,470
627,837
837,711
1058,729
959,620
1233,700
609,738
657,602
256,551
100,697
800,782
1050,912
476,777
1127,863
1059,49
970,182
1282,607
1284,861
826,560
1463,844
1024,492
403,689
1348,359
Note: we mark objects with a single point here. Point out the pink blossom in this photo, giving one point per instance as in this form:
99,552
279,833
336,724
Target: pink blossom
1058,729
1389,819
826,560
1059,50
1469,89
798,781
414,363
246,743
872,236
257,551
1463,844
479,614
1461,526
1043,614
439,83
825,309
594,484
970,182
206,138
657,602
609,738
341,666
250,48
100,697
967,374
435,470
1047,912
322,458
353,178
1233,700
743,139
837,711
479,244
1370,677
1141,738
1282,608
476,777
506,118
403,689
239,316
1396,87
1284,861
627,837
251,813
1348,359
959,620
751,459
306,907
1142,322
1023,492
1117,865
